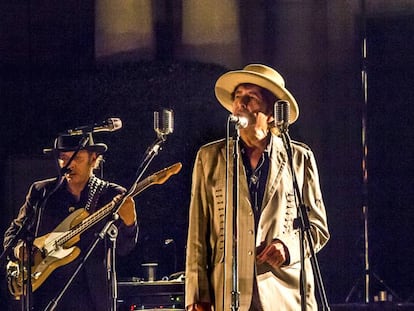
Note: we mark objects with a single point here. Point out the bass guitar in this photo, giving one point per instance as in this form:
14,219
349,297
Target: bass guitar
57,248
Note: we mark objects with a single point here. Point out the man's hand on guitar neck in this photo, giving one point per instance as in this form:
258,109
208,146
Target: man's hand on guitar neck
127,212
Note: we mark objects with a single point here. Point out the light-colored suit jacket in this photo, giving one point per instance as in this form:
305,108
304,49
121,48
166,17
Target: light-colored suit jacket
209,271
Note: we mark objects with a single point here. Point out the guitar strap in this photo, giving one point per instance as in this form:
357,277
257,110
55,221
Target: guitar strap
96,188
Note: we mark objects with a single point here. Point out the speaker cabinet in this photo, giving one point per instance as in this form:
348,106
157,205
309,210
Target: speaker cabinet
375,306
138,295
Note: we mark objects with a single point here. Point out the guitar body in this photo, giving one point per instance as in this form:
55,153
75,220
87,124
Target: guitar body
47,256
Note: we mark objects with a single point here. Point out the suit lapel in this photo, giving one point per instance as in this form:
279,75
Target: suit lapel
243,187
278,161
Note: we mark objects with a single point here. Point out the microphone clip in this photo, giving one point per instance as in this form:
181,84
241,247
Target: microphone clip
81,130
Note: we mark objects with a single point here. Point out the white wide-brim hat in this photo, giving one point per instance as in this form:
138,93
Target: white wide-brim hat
260,75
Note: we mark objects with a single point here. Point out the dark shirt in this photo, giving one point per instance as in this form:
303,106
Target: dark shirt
256,180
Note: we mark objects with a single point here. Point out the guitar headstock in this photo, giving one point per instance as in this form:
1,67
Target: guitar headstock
162,176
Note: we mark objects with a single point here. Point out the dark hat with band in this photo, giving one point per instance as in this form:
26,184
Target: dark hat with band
64,143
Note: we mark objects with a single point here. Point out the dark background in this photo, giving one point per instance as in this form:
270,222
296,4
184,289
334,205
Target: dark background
51,82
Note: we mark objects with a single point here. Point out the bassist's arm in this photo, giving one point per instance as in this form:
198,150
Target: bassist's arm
128,227
26,212
127,212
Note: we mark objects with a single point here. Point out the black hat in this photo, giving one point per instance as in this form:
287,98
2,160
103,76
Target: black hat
71,143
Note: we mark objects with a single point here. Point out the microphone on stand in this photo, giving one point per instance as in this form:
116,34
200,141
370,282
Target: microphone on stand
167,122
241,122
281,112
109,125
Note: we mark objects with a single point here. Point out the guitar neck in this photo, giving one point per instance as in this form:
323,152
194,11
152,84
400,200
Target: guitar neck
101,213
157,178
87,223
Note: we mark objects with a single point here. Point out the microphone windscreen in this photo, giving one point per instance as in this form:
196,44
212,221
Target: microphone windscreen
281,112
114,124
167,121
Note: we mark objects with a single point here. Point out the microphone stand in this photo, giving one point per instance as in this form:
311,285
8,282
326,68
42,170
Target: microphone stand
54,302
150,153
304,232
235,294
112,233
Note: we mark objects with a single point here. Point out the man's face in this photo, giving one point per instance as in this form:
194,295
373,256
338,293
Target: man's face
81,166
249,102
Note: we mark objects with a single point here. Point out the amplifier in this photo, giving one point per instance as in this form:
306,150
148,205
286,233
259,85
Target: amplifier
140,295
374,306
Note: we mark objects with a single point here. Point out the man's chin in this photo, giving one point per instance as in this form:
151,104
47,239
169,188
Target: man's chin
71,178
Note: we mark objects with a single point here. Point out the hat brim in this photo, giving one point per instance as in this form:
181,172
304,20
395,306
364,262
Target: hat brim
228,82
99,148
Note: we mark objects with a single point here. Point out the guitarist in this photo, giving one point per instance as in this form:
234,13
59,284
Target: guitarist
48,203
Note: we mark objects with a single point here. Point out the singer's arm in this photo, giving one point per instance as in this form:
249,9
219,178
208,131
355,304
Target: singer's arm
198,265
308,178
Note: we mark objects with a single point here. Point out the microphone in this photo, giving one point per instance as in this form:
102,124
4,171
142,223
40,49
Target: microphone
169,241
281,112
167,122
241,122
109,125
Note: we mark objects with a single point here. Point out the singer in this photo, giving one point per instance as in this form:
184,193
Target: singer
268,240
49,205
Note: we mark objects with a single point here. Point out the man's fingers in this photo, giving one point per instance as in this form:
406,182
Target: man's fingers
273,254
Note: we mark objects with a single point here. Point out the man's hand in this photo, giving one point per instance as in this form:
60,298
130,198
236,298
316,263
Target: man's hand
127,212
275,254
20,251
200,306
